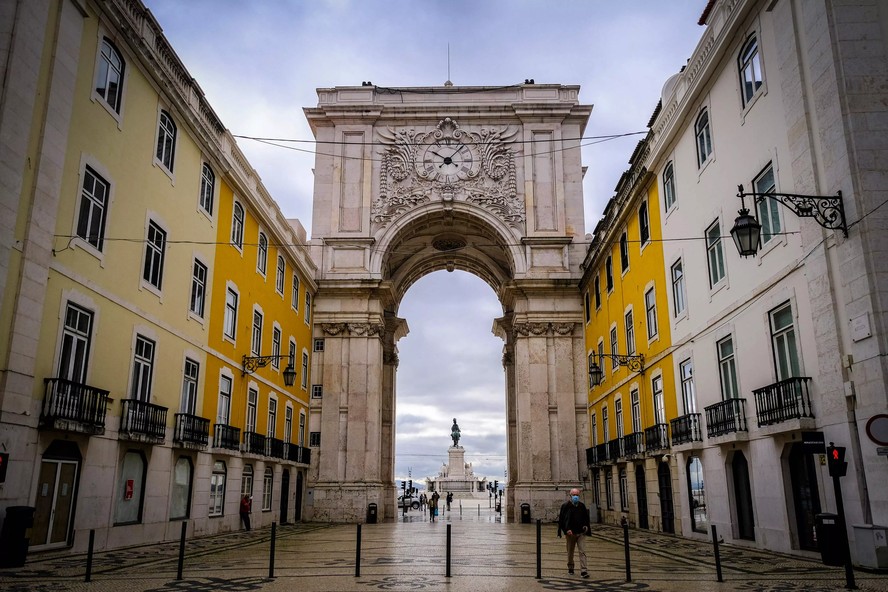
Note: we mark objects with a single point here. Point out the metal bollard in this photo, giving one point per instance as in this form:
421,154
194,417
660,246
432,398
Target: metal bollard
89,556
271,557
358,554
181,551
479,509
539,551
448,552
625,524
718,563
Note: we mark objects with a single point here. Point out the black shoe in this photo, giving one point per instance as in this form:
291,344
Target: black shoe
585,574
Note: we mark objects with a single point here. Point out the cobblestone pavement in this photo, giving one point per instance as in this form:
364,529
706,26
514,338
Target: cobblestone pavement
486,555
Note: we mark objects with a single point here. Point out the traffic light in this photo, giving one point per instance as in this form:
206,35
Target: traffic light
404,485
4,461
495,484
835,460
410,486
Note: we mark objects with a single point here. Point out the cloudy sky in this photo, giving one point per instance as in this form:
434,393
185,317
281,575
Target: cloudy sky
260,62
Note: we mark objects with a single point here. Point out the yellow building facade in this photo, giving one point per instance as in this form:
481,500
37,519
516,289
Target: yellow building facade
631,378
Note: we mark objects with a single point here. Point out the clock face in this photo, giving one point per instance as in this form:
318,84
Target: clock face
447,160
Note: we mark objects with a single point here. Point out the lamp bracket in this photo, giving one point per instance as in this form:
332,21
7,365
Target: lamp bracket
253,363
827,210
635,362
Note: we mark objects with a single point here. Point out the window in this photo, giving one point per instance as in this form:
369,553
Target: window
591,360
650,307
130,489
276,348
613,335
596,485
786,352
109,77
143,368
318,345
609,273
768,209
636,411
307,308
76,339
659,404
217,489
686,375
304,370
230,320
301,435
317,391
198,288
180,494
166,141
262,254
750,67
288,423
587,306
601,360
237,226
596,288
291,354
669,186
678,288
624,252
93,209
252,405
279,278
272,417
207,188
223,413
154,255
609,488
715,254
624,491
727,370
314,439
630,333
189,386
266,489
294,300
704,138
605,424
256,343
594,428
618,417
247,481
644,223
699,517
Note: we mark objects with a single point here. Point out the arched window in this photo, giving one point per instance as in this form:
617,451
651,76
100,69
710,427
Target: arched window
237,226
669,186
750,69
697,495
166,141
180,496
109,76
704,137
262,254
130,489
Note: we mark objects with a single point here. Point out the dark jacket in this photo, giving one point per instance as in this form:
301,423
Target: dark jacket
574,518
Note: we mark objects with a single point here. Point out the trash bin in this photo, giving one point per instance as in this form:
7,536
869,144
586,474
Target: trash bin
830,539
499,508
16,535
371,514
525,513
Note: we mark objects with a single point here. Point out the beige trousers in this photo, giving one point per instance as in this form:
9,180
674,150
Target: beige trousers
577,542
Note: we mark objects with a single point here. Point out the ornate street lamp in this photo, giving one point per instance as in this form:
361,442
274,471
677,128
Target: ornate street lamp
635,363
253,363
827,210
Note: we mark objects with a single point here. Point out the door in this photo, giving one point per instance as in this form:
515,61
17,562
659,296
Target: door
805,496
664,477
54,506
297,507
743,497
285,495
641,494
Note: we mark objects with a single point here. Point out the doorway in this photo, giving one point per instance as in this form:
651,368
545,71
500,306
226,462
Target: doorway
285,495
743,497
664,477
641,494
54,506
805,495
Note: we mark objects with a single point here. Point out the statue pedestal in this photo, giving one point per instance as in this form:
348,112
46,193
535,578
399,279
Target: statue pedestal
456,474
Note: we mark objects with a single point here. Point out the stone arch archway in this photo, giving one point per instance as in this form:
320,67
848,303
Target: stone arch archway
434,183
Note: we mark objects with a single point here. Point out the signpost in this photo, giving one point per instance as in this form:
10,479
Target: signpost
838,467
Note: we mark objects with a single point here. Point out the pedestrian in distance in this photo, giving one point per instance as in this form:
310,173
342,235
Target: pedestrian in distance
433,506
422,501
449,499
246,506
573,521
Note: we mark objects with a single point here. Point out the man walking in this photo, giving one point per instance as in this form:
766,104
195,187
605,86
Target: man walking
573,521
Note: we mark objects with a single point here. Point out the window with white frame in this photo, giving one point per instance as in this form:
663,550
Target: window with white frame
288,423
678,288
605,424
180,492
279,278
669,186
267,480
252,404
307,308
237,226
198,288
659,401
294,299
613,336
618,416
155,247
291,354
727,368
276,348
609,488
630,333
207,188
624,252
247,481
587,306
750,69
688,395
166,141
93,208
596,287
272,417
217,489
314,439
644,223
783,340
189,386
593,426
223,413
143,369
256,343
317,391
75,346
650,307
768,209
300,436
624,491
635,401
609,274
262,254
715,256
591,360
109,76
230,320
601,359
704,137
304,370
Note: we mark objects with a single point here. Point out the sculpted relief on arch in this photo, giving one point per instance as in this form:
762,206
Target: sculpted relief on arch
448,163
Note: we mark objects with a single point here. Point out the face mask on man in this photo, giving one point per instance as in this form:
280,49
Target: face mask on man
575,499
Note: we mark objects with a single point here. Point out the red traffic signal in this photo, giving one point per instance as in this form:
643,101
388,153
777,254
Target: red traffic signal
835,459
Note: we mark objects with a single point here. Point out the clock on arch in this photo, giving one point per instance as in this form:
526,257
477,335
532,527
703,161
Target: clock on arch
448,155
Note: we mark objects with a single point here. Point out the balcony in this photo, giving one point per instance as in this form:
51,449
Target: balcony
686,429
591,457
274,448
601,453
191,431
633,444
73,406
226,437
254,443
783,401
727,417
656,437
615,449
299,454
143,422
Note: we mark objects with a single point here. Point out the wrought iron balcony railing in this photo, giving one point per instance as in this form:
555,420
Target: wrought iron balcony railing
787,399
726,417
226,436
254,443
591,458
615,449
274,448
69,401
686,429
191,429
143,419
299,454
633,444
656,437
601,453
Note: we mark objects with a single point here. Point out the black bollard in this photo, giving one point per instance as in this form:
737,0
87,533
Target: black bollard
718,563
271,558
89,556
181,551
625,524
539,551
448,551
358,554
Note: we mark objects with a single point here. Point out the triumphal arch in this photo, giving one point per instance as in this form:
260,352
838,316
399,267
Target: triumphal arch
413,180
